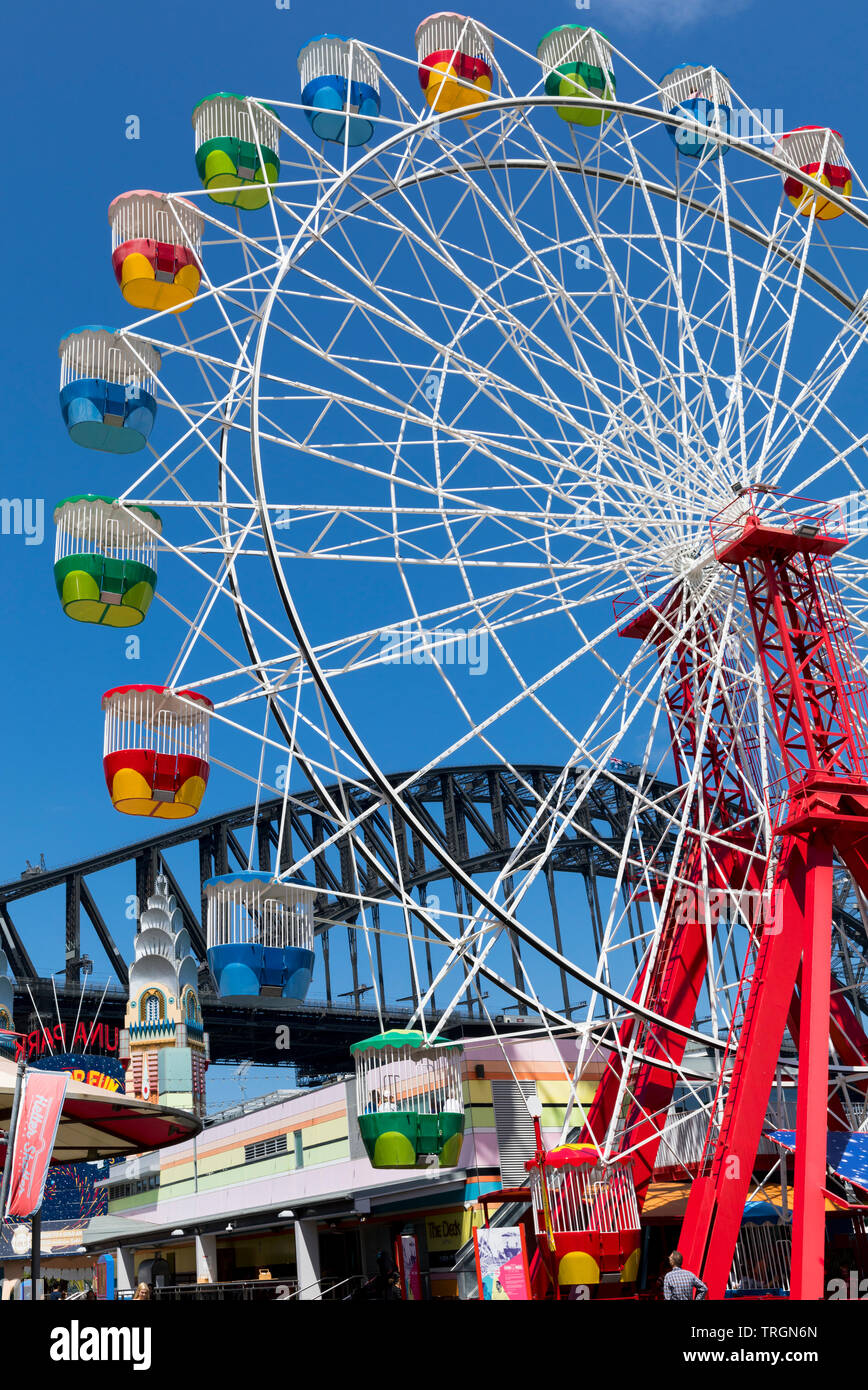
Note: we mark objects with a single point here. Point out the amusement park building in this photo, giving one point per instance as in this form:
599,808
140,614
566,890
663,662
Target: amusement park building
284,1186
281,1189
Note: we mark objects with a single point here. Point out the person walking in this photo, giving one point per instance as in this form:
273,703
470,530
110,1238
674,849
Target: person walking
679,1283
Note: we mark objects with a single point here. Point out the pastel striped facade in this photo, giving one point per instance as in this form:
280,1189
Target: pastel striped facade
217,1175
541,1066
308,1148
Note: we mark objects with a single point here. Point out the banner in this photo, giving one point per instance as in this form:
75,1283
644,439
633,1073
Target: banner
41,1104
501,1263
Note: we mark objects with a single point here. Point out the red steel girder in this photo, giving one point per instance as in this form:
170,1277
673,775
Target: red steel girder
817,706
677,972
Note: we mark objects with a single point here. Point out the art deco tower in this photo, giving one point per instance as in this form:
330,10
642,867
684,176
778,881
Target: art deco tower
163,1047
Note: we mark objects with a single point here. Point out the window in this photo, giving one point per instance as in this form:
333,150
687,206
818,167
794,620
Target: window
151,1007
514,1128
265,1148
133,1187
299,1148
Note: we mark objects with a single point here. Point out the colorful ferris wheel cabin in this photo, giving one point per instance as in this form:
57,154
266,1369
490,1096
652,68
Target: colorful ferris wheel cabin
260,934
340,89
818,152
236,149
702,97
586,1219
155,754
455,59
105,559
577,62
410,1100
156,246
108,389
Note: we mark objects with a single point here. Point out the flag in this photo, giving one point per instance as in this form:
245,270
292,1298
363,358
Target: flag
38,1117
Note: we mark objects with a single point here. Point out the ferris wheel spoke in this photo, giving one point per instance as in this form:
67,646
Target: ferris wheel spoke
600,342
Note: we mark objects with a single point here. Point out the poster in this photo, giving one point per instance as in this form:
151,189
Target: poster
501,1264
411,1282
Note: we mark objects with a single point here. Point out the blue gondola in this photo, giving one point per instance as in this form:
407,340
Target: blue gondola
340,89
260,934
702,97
107,389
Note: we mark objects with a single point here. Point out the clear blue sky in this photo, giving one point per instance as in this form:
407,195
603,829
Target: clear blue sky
74,73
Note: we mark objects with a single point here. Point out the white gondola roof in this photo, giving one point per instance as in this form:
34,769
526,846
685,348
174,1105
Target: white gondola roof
139,356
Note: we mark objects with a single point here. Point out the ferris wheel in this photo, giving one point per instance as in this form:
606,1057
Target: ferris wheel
456,380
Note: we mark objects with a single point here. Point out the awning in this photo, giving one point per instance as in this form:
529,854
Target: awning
102,1124
846,1153
667,1201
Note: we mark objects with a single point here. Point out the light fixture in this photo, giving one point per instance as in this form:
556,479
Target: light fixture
808,529
285,1215
177,1231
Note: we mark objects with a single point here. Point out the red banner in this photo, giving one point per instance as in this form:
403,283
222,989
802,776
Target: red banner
41,1104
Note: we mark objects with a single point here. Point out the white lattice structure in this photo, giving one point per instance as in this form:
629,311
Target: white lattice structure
106,355
143,214
91,525
226,116
157,720
573,43
583,1197
247,910
330,55
455,33
410,1077
690,81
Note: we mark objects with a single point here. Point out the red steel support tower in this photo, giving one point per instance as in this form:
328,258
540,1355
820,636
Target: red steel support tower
672,984
817,706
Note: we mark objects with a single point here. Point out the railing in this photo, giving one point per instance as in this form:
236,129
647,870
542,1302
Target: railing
631,599
227,1291
761,1263
683,1137
339,1292
254,1291
770,506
